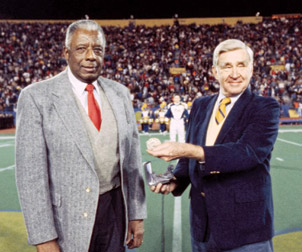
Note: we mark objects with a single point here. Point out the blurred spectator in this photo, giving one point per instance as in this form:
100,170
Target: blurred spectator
140,57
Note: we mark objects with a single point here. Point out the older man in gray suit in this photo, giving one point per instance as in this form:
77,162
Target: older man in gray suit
78,162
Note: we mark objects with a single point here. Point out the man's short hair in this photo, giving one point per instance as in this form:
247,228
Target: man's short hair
231,45
86,25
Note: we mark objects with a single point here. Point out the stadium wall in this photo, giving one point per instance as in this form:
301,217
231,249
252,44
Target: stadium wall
155,22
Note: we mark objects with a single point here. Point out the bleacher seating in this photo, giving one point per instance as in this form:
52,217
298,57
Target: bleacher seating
141,57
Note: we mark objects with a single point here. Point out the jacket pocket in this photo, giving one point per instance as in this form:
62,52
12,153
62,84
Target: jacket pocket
252,209
252,195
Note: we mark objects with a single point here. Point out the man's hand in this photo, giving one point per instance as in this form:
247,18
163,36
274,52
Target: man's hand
135,234
50,246
173,150
164,189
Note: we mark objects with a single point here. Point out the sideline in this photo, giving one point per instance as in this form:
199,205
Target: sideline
288,230
10,211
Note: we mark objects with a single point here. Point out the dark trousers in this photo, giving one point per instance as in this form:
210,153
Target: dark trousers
109,227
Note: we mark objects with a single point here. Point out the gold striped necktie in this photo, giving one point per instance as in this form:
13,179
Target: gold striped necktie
221,111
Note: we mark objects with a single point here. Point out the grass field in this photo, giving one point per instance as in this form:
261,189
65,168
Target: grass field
163,232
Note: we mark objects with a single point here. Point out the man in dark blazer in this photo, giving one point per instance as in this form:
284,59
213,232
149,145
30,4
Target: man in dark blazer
226,159
78,157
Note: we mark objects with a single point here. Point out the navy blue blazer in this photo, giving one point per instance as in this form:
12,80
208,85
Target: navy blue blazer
235,177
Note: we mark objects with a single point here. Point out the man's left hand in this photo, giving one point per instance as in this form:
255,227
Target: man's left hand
135,234
169,151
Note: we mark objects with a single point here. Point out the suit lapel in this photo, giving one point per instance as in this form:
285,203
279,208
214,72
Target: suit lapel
65,104
202,118
235,113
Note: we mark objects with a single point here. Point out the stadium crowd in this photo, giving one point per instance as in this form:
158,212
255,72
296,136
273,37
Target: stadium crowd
142,58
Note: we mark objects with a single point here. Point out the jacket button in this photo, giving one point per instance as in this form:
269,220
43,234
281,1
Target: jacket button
88,189
203,194
85,215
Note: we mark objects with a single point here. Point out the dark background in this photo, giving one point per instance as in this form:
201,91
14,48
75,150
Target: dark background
117,9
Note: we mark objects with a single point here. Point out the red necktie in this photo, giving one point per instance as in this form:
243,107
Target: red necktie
93,107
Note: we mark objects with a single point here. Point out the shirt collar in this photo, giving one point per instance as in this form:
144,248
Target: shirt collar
78,86
233,98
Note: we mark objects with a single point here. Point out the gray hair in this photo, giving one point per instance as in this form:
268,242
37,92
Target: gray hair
86,25
231,45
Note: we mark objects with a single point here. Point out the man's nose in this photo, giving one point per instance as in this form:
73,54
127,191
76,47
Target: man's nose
235,72
90,54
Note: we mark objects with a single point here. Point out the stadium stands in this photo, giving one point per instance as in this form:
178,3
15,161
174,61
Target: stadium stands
155,62
6,121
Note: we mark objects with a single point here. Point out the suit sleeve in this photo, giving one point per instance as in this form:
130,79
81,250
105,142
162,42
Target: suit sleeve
133,169
250,146
32,171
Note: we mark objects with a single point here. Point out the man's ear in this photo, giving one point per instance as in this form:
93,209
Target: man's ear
66,53
214,71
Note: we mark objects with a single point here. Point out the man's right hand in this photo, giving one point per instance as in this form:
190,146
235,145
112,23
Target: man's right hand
50,246
164,189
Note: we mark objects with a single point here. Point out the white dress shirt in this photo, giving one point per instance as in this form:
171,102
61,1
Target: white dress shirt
78,87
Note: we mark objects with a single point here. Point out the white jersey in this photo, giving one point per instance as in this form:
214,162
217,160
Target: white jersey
145,114
177,111
161,114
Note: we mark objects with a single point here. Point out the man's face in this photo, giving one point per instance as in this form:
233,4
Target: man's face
85,55
233,72
176,99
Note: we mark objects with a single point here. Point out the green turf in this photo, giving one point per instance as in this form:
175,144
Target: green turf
290,242
12,233
286,177
286,172
8,199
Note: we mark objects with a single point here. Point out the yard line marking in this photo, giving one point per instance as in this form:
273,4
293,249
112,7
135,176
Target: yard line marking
290,130
280,159
6,137
289,142
5,145
177,236
7,168
153,134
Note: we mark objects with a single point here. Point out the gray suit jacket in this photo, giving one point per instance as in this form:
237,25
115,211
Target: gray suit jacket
55,172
